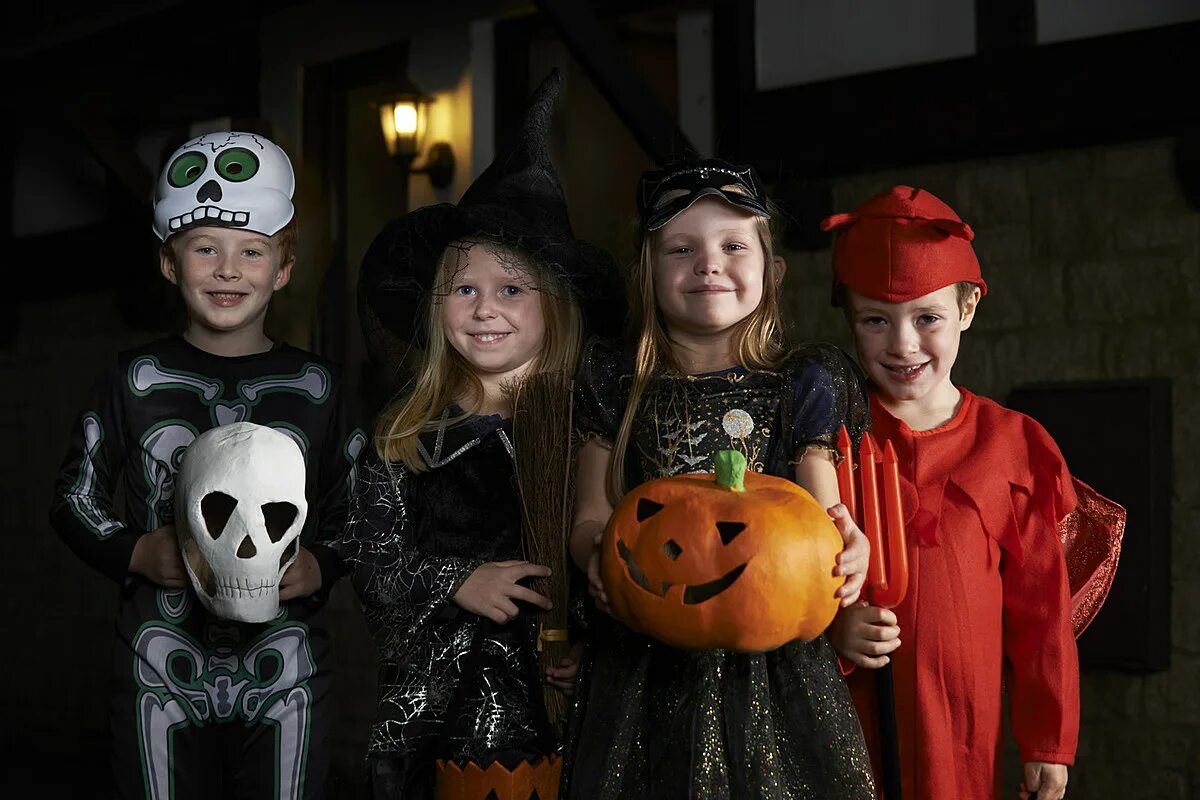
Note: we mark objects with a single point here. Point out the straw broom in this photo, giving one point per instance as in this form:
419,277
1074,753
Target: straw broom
542,411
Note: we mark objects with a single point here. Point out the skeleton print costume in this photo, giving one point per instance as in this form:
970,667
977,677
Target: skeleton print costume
193,692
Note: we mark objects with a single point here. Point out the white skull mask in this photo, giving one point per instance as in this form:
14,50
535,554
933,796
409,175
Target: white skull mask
230,180
239,509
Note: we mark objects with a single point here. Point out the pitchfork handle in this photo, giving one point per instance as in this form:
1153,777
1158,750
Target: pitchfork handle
889,744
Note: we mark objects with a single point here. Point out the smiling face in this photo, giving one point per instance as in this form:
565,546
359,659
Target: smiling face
908,349
699,566
492,315
226,277
708,268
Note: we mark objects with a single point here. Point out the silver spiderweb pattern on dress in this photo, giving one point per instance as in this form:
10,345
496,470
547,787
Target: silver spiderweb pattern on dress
423,650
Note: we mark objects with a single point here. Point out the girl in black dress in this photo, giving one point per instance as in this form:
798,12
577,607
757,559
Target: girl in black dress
493,290
710,373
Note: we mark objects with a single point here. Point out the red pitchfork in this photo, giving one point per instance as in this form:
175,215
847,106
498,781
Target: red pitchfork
887,571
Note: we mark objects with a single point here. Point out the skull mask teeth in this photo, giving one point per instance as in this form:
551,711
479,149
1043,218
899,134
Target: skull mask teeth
233,180
239,510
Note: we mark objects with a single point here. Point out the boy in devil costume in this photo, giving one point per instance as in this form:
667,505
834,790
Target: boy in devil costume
1010,557
202,706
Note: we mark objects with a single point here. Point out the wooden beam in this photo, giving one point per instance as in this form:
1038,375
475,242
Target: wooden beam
597,51
89,119
1071,94
735,79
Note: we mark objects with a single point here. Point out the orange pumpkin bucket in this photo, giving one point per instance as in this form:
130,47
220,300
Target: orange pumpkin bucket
737,560
529,780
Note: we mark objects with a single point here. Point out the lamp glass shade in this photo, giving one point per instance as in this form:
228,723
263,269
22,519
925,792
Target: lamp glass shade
404,115
402,122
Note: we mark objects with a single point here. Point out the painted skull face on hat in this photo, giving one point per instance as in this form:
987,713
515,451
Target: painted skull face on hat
229,180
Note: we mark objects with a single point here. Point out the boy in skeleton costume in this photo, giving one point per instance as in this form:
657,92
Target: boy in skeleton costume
203,706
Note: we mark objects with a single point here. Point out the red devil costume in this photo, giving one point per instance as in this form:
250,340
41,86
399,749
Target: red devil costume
1009,556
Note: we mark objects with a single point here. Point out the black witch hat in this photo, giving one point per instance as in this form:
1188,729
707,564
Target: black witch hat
518,202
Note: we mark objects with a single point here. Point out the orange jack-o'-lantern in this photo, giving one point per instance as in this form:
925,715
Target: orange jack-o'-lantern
529,780
744,561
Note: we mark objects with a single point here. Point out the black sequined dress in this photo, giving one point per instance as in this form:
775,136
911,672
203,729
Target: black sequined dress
451,684
653,721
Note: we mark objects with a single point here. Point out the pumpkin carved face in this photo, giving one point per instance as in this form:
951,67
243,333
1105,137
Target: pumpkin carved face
698,564
529,780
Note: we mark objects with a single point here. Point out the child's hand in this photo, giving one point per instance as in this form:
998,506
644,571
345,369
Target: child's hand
491,590
1048,781
852,561
156,558
865,635
595,582
301,578
562,677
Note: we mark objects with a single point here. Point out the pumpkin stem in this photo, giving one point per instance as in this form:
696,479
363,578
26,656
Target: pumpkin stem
731,470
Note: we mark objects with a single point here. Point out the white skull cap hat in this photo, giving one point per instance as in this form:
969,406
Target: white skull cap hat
239,510
227,179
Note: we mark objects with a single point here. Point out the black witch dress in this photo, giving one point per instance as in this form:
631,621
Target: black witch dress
653,721
452,684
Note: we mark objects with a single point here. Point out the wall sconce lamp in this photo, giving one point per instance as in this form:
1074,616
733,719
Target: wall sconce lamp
404,117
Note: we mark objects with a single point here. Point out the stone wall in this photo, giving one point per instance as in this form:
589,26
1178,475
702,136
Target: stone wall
1092,260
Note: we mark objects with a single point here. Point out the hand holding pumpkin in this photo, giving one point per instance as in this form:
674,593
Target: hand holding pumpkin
492,590
595,579
852,561
865,635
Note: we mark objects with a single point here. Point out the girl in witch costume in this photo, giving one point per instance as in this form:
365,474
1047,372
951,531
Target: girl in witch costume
495,290
988,499
710,373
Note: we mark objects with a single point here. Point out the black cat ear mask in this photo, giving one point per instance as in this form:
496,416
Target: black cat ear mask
737,185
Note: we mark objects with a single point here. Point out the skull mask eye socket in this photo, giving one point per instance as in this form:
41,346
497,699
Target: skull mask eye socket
216,508
186,169
278,517
237,164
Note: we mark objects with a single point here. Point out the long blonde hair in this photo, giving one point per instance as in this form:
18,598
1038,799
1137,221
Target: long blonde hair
444,376
757,339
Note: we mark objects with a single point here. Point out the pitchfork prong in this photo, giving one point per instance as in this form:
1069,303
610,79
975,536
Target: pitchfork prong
872,523
845,474
890,595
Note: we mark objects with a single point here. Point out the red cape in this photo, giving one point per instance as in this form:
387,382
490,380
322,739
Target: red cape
993,518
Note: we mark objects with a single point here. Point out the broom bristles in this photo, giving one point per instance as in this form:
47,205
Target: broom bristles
542,409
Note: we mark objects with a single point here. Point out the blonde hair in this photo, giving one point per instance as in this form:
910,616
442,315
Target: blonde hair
757,339
444,376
